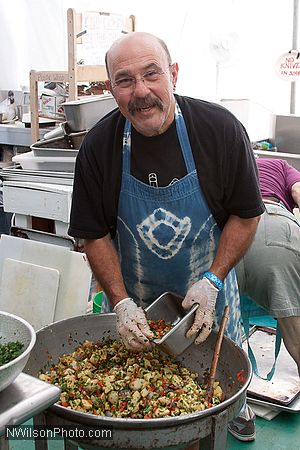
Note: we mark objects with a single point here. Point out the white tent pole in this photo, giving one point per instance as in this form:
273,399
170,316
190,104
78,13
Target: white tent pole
294,47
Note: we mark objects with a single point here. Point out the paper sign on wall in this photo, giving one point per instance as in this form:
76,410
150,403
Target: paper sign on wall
102,29
287,66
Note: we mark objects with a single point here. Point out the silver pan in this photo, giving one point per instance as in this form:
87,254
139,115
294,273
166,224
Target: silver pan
62,337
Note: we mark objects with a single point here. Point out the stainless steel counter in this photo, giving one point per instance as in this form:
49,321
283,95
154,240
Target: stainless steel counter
23,399
16,134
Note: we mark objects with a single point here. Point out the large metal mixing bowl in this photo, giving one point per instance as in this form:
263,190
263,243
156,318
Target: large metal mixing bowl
175,432
13,328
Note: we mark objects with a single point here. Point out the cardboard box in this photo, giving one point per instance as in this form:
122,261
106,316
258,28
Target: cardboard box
51,106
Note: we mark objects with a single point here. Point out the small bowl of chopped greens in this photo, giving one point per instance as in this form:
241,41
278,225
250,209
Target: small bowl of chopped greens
17,338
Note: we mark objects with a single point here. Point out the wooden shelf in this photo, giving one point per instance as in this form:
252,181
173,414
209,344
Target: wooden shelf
75,74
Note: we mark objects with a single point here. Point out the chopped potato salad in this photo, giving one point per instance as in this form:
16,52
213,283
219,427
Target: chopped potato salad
108,380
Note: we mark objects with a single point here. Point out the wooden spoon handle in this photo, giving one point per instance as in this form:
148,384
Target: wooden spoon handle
217,348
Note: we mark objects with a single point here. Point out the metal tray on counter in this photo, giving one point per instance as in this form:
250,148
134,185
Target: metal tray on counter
282,391
293,407
16,174
83,114
67,145
168,308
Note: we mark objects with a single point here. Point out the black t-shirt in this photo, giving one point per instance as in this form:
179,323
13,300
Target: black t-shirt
157,160
222,153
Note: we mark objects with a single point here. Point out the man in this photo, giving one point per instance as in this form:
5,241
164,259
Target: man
173,181
269,272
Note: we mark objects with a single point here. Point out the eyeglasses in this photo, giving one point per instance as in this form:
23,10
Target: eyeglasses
149,78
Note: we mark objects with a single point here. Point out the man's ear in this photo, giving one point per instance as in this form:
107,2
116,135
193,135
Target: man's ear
108,85
174,72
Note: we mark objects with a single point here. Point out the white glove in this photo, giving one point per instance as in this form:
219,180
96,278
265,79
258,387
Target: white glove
205,294
132,325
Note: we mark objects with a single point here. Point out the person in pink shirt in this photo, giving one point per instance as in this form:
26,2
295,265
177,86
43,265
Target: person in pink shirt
269,273
280,181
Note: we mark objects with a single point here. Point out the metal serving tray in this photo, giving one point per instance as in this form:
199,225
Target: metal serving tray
66,145
168,307
83,114
16,174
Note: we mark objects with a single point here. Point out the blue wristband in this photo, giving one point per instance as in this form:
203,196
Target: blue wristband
216,280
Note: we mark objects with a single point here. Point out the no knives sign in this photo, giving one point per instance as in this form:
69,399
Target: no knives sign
288,66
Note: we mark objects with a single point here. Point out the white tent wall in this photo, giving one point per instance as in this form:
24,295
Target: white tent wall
33,36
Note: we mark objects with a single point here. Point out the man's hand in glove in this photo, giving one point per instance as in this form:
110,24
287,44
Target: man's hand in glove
132,325
205,294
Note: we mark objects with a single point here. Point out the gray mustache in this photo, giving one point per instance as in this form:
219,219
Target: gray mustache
145,102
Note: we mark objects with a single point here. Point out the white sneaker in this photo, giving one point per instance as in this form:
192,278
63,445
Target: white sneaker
243,426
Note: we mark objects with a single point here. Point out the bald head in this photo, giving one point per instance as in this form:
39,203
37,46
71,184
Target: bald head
142,79
135,41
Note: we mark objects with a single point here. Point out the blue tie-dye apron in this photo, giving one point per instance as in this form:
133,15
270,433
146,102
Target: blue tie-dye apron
167,237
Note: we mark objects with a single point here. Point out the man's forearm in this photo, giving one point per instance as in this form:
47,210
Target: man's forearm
105,265
295,192
235,239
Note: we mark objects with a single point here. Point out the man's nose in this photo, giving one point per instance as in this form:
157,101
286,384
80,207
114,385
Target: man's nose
140,86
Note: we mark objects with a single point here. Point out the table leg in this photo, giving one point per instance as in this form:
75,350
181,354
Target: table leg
68,445
4,443
38,421
218,438
194,446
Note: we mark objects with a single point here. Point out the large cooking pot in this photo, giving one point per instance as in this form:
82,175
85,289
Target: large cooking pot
175,432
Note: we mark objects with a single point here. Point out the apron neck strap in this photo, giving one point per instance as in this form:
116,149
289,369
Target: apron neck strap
184,140
127,147
182,136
